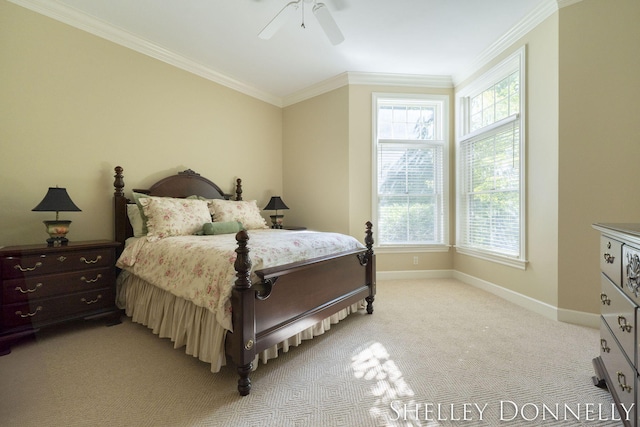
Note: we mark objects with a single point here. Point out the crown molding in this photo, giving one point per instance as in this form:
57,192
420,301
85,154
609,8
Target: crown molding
76,19
528,23
373,79
124,38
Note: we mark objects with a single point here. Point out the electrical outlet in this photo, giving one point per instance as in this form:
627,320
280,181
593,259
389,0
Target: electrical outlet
415,260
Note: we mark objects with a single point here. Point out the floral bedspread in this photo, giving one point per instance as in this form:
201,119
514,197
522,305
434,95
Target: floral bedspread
200,268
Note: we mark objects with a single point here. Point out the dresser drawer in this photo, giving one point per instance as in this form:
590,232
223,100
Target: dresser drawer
610,258
41,312
14,267
622,375
31,288
620,314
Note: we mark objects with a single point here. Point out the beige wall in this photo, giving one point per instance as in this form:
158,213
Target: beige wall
73,106
316,162
599,137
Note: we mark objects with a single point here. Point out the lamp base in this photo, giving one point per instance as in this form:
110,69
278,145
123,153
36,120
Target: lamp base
276,221
57,231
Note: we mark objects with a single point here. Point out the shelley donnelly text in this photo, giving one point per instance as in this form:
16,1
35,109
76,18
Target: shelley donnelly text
508,411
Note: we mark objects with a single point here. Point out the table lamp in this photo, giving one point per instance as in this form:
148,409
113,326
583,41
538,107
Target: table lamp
57,200
276,204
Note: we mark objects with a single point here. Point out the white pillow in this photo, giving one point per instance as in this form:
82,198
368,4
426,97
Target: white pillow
244,211
136,221
174,217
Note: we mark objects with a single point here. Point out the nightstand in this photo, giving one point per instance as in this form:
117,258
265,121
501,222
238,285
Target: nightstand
293,227
44,286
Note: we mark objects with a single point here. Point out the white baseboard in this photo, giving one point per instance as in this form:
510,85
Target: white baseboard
560,314
414,274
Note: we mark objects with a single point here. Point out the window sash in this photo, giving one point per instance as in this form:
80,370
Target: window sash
490,203
410,194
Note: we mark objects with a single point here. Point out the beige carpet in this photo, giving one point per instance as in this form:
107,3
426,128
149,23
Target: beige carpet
430,345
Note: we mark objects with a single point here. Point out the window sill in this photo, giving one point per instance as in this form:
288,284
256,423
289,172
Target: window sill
488,256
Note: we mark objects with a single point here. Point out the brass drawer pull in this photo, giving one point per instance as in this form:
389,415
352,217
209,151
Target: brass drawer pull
604,346
61,258
605,299
86,261
93,301
21,268
26,291
19,313
609,258
622,380
85,280
624,326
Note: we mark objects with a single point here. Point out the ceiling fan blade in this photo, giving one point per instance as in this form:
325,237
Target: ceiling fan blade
279,20
328,24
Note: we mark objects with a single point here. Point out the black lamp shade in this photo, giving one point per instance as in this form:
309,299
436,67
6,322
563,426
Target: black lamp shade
56,200
275,204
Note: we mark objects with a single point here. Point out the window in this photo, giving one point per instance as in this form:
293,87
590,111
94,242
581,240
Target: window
410,171
490,174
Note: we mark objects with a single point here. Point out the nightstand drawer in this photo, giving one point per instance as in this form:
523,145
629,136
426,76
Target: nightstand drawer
14,267
41,312
31,288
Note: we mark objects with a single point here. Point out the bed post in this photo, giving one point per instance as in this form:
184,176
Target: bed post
241,342
238,189
120,208
371,267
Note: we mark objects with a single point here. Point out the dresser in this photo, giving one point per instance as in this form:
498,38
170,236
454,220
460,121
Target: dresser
44,286
617,365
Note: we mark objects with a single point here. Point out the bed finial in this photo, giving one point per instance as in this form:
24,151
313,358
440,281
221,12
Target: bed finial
238,189
118,184
368,239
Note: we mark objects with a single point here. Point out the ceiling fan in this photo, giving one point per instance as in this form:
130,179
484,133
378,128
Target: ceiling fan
321,13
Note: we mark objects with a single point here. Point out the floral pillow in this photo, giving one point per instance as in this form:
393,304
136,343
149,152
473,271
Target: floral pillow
174,217
246,212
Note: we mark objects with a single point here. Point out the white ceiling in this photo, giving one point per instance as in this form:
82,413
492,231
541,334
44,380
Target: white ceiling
218,38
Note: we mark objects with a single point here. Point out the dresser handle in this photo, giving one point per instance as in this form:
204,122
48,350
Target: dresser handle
19,267
19,313
622,380
26,291
624,326
86,261
609,259
604,346
93,301
85,280
61,258
605,299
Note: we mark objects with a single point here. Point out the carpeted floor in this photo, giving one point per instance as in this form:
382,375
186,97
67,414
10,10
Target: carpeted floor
434,353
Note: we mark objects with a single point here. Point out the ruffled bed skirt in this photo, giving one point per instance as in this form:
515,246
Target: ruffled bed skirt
195,327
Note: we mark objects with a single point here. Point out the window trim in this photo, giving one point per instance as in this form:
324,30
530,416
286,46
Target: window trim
490,77
443,100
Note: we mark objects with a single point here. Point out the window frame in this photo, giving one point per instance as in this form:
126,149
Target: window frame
442,106
514,62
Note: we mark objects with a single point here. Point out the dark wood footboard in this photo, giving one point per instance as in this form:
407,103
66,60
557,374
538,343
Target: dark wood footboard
293,297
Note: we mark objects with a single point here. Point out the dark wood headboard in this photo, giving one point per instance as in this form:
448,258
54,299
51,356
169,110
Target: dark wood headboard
183,184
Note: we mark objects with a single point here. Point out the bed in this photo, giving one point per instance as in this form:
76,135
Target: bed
265,304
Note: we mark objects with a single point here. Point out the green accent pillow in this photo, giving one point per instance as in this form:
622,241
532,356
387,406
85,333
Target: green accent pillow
222,227
136,198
